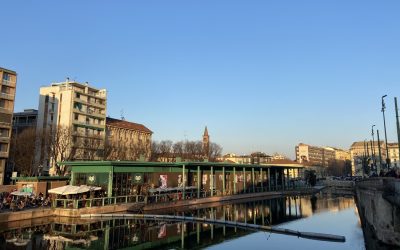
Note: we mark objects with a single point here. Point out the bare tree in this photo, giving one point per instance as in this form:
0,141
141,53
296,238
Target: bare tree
215,151
60,146
188,150
22,152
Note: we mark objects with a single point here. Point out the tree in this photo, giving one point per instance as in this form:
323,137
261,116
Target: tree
22,152
60,146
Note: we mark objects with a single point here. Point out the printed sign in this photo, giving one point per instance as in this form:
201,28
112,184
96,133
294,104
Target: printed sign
163,181
138,178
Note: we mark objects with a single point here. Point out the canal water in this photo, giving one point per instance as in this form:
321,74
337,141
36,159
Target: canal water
322,213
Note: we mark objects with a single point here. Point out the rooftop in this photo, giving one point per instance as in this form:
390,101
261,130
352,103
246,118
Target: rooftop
8,71
112,122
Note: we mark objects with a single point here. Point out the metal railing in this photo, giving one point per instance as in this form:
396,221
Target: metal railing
97,202
8,83
7,95
168,197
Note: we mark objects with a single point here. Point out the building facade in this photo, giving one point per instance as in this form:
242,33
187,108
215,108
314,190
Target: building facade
133,138
394,155
24,120
319,156
206,143
7,96
74,113
360,149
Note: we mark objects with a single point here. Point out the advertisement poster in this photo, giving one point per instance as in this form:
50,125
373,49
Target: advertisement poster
163,181
204,179
162,232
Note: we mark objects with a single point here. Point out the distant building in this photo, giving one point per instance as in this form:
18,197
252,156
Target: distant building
278,156
134,138
24,120
394,155
340,154
313,155
79,108
361,148
254,158
8,80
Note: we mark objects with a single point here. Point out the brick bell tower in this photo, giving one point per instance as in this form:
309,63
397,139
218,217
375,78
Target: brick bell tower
206,143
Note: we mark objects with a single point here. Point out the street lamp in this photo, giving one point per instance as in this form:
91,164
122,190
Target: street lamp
373,146
384,125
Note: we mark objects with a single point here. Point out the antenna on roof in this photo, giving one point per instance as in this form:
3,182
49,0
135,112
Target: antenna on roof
122,115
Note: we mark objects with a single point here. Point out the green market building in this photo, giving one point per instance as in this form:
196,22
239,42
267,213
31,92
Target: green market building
122,178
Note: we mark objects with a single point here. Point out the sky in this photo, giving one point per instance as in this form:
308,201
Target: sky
262,75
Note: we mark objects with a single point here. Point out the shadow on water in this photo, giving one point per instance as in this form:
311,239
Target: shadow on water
63,233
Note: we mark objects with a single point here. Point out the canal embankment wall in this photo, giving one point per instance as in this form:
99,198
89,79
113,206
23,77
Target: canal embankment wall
379,214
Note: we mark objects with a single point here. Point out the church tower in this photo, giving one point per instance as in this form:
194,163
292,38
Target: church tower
206,143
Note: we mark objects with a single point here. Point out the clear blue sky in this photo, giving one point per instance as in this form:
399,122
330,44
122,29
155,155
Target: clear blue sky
262,75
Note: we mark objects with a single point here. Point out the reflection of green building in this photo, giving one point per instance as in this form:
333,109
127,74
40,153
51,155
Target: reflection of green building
119,178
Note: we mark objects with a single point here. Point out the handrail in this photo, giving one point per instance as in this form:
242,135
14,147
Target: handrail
96,202
8,82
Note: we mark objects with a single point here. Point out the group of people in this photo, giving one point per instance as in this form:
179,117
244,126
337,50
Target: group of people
10,202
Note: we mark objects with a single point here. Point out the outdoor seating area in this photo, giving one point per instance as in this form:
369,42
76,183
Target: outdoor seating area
20,200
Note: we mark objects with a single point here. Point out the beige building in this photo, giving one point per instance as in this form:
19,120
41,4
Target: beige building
8,80
319,156
358,150
340,154
133,138
394,155
80,110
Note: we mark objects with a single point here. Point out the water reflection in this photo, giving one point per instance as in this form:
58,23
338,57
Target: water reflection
144,234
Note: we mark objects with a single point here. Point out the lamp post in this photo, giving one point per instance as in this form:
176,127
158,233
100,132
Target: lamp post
384,126
379,148
373,146
398,125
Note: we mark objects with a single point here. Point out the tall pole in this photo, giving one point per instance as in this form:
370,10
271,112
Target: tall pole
373,147
384,126
398,124
379,149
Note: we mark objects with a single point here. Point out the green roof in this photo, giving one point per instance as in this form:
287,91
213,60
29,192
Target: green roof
172,164
40,178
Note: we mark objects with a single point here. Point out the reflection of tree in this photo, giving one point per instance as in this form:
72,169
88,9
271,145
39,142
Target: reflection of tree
313,200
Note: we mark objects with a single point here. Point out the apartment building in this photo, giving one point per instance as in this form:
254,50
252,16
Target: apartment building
23,120
8,80
319,156
76,109
361,148
132,140
394,155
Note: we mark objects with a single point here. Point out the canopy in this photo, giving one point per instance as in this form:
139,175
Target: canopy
70,189
20,193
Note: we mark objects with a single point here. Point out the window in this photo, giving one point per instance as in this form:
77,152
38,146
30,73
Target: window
6,76
76,117
77,95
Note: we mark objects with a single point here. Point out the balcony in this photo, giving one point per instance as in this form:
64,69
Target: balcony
8,83
6,110
3,154
7,96
89,113
94,104
5,125
88,124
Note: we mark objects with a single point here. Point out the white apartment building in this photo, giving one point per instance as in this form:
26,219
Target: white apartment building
78,108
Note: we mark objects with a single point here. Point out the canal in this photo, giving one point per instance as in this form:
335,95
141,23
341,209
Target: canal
323,213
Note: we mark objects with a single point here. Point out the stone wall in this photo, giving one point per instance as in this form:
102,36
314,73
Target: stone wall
378,214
